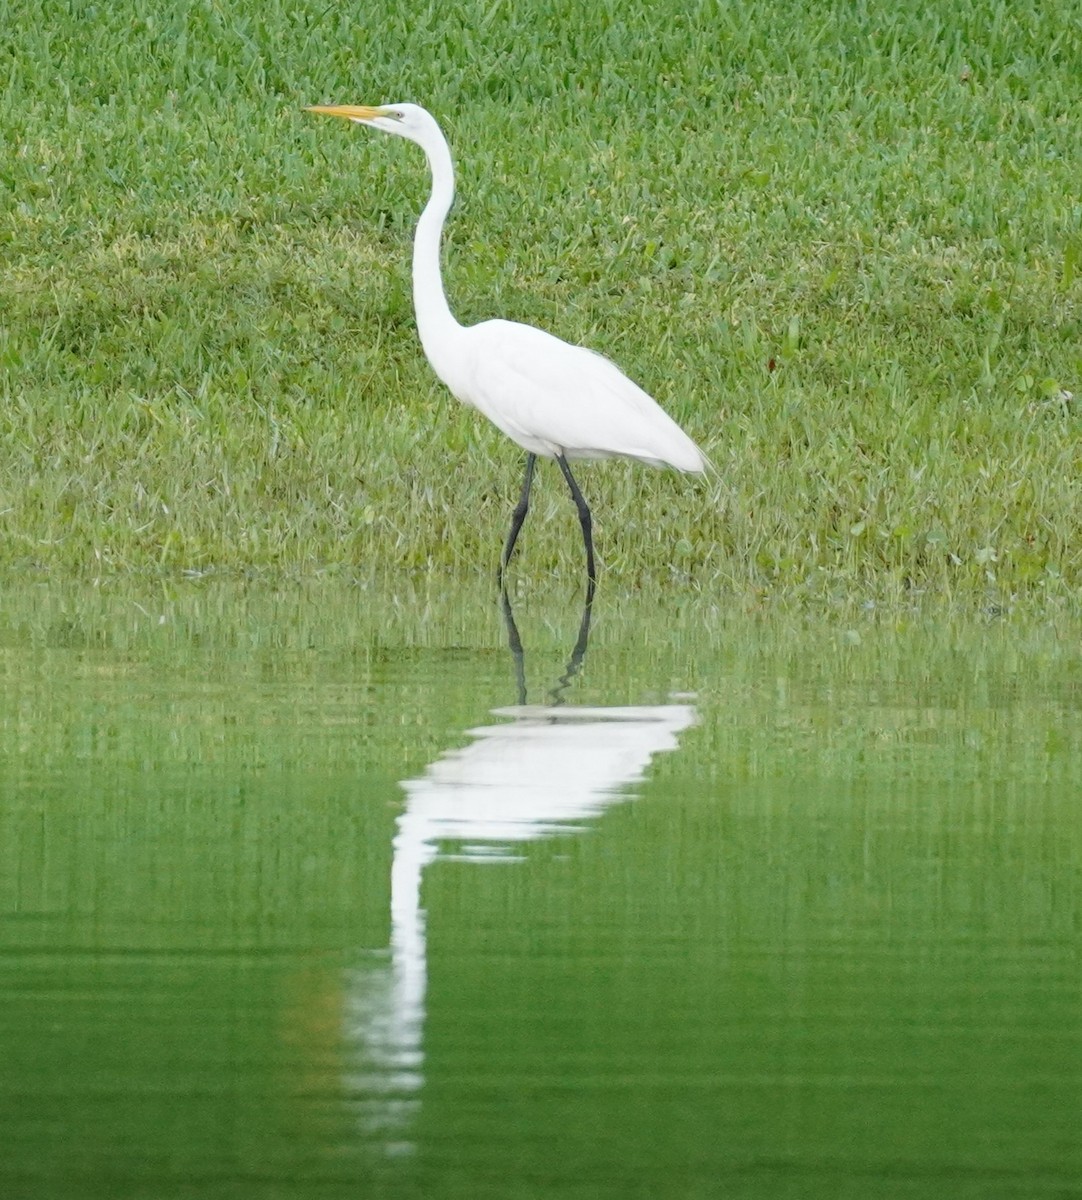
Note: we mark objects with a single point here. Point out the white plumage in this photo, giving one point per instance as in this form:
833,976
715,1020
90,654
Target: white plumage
554,399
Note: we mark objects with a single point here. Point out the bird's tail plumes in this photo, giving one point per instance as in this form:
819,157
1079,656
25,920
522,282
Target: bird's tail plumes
690,459
671,447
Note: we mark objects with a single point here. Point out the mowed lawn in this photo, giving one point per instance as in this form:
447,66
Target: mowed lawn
840,243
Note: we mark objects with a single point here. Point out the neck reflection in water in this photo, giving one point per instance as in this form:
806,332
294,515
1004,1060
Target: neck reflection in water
543,771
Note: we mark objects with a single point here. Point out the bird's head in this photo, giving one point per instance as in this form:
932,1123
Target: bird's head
407,120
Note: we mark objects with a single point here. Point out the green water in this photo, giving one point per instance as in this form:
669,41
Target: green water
297,899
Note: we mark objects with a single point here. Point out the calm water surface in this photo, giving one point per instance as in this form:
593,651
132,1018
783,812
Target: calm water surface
326,892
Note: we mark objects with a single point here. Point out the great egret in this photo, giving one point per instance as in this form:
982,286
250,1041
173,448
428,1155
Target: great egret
554,399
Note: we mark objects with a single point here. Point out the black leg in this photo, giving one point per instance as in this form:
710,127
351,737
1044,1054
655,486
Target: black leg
518,516
584,520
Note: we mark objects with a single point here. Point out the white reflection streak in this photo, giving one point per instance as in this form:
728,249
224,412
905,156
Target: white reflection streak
544,773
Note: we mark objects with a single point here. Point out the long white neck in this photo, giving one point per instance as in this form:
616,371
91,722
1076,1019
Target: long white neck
435,324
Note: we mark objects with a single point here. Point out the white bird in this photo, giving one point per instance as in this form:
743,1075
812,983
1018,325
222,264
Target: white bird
554,399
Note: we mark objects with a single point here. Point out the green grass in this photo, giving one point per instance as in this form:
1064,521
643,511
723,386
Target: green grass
207,354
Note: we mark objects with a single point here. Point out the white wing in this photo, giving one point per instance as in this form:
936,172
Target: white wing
554,398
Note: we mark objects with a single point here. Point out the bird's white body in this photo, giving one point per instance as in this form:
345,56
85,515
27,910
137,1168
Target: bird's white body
552,398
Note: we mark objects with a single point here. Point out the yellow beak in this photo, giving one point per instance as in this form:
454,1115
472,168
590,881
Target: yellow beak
352,112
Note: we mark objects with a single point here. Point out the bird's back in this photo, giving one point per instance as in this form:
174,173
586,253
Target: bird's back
554,398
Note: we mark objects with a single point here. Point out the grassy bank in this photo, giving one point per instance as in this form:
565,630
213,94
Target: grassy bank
207,354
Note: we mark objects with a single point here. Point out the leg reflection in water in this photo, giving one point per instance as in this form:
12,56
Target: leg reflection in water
574,663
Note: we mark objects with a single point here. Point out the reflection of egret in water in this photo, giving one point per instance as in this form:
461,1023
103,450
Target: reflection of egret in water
544,771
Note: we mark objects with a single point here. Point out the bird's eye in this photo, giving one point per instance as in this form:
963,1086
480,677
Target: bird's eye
398,115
